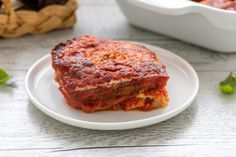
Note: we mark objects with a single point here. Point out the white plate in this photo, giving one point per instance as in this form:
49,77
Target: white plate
43,91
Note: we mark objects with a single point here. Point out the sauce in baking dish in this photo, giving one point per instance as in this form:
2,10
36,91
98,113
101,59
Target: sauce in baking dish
222,4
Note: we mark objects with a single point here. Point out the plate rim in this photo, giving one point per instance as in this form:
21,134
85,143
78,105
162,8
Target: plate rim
113,125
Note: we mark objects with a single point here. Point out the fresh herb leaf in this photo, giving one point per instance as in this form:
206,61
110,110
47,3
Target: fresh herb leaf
227,89
228,86
4,77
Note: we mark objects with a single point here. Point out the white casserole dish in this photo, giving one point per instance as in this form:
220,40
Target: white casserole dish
192,22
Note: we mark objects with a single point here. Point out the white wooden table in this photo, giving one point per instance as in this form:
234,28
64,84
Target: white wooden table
207,128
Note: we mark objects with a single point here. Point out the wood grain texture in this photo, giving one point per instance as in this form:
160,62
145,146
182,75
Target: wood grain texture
207,128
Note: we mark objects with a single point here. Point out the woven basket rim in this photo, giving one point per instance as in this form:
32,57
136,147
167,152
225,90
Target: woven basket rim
15,23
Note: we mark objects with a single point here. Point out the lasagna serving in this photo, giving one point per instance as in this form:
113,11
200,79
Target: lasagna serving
96,74
222,4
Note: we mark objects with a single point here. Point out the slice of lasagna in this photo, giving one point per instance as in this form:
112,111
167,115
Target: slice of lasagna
100,74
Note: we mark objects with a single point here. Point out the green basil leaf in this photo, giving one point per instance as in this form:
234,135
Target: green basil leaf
4,77
228,86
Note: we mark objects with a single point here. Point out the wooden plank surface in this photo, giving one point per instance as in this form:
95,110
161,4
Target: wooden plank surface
207,128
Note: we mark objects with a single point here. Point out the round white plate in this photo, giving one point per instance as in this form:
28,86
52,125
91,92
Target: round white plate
43,91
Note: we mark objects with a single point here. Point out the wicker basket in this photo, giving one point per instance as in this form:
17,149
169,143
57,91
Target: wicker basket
15,23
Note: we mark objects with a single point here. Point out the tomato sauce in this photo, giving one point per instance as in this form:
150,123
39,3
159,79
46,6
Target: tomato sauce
221,4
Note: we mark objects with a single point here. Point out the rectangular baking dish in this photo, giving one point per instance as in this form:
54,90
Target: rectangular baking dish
192,22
